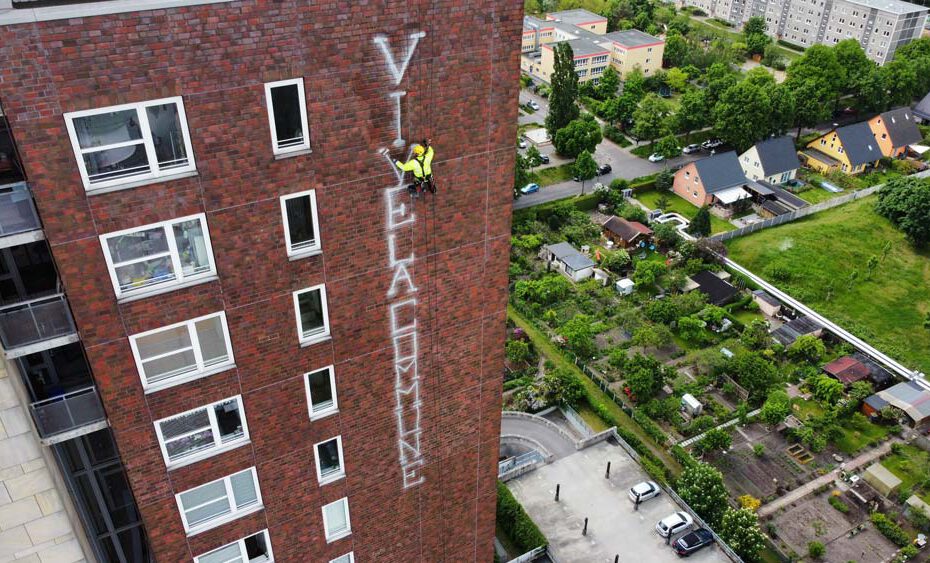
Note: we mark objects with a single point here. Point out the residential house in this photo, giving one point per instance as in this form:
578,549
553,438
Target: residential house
908,396
626,234
769,305
850,149
787,333
922,109
772,160
717,180
573,264
894,130
718,291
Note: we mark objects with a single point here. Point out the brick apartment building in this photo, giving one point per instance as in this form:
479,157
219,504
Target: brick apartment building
228,330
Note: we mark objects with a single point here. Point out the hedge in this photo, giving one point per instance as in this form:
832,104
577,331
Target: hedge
616,135
650,427
516,522
890,529
682,456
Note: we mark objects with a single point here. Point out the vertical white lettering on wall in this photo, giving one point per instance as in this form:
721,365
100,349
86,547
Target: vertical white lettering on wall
400,221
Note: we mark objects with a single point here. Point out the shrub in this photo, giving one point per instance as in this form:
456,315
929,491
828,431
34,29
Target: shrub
615,135
651,428
816,549
749,501
839,505
890,529
516,522
758,450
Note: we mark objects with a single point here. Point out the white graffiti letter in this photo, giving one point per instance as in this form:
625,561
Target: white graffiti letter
398,140
398,73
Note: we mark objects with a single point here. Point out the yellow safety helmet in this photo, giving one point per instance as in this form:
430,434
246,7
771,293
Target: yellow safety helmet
418,150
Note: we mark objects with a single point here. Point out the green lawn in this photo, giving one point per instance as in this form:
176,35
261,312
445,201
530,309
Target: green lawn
590,417
812,259
678,205
911,465
554,175
803,408
857,436
817,195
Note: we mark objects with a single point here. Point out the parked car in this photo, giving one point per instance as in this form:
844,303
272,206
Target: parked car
654,157
674,523
533,104
691,149
544,159
603,169
521,143
530,188
711,144
693,541
644,491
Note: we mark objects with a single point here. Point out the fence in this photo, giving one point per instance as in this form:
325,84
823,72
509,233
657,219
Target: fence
797,214
516,466
577,422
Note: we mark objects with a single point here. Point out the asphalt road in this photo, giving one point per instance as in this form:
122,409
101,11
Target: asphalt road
624,163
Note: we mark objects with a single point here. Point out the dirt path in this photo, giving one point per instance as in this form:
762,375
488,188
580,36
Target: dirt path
811,486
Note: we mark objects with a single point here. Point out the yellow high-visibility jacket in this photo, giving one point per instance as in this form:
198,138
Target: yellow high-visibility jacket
420,166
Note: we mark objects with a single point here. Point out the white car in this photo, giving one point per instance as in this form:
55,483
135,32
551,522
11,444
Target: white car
656,157
521,143
644,491
692,148
673,524
533,104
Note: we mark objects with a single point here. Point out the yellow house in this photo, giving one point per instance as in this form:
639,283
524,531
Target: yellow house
850,149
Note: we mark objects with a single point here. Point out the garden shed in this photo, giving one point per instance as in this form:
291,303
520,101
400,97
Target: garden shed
625,286
718,291
907,396
575,265
767,304
883,480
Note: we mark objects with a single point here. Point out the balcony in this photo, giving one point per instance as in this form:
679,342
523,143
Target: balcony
68,416
39,324
18,215
11,170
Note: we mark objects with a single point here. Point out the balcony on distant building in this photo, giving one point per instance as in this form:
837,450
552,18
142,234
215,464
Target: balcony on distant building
35,325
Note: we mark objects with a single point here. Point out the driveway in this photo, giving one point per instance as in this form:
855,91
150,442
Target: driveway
624,163
539,431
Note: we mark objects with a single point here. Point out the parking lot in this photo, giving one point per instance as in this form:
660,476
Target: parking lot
614,527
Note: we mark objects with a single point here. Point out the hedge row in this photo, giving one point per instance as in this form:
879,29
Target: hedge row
890,529
682,456
516,522
650,427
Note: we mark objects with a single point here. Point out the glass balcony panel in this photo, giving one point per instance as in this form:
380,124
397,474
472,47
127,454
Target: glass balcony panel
35,321
67,412
17,211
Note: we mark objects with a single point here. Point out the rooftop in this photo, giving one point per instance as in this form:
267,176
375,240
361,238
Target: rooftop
847,369
902,127
586,47
767,297
787,333
576,17
893,6
720,171
566,253
859,143
910,397
777,155
627,230
922,109
718,291
632,38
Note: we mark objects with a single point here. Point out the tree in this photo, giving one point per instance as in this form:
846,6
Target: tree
871,264
740,530
647,272
700,225
544,291
579,332
533,158
859,391
812,102
755,35
561,386
562,107
651,336
665,235
619,108
692,329
692,113
582,134
668,148
718,78
608,84
744,113
776,408
807,347
676,50
819,62
645,376
905,202
616,261
756,335
650,119
716,439
676,79
517,351
900,80
665,180
521,174
771,56
858,66
756,374
701,486
585,168
634,84
826,389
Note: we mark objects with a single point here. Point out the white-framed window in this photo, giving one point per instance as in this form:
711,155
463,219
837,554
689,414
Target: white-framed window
347,558
182,352
252,549
312,315
220,501
130,142
301,224
287,116
329,464
202,432
321,392
336,523
161,255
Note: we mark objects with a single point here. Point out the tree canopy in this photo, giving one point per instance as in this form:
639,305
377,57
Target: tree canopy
562,107
906,203
740,530
701,486
582,134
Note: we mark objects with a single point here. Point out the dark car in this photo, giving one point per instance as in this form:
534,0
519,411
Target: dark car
544,159
604,169
691,542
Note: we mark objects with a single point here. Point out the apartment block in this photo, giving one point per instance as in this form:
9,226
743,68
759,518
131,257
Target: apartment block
880,26
593,48
229,332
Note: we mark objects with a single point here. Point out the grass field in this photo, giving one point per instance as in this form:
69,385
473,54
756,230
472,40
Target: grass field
680,206
814,258
910,465
554,175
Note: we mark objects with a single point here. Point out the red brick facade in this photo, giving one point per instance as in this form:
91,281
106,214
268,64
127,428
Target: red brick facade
460,89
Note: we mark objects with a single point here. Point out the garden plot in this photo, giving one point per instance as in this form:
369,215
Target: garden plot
814,519
745,472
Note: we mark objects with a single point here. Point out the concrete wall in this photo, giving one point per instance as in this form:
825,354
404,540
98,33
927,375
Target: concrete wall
36,524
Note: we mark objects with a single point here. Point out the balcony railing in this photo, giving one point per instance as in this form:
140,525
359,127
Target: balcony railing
34,321
17,210
67,412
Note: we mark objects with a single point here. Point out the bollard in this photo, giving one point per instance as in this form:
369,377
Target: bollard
585,531
668,538
616,558
557,492
607,475
636,505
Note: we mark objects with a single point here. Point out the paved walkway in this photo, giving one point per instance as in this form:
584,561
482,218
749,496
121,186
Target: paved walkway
538,430
811,486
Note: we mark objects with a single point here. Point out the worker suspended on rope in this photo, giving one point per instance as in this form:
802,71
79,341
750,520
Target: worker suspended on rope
421,166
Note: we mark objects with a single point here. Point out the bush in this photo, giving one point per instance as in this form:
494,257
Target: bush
836,503
890,529
651,428
682,456
816,549
615,135
516,522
